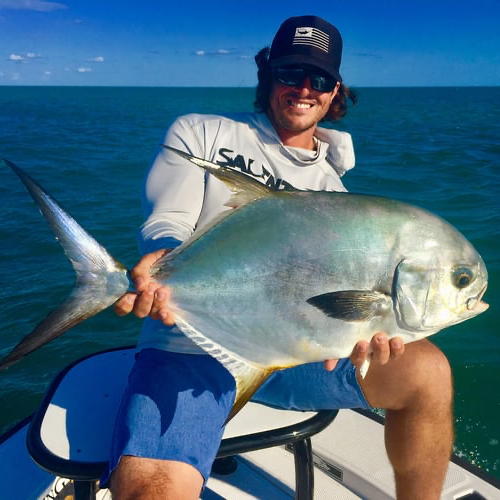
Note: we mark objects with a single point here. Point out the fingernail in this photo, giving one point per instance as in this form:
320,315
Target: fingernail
139,282
160,295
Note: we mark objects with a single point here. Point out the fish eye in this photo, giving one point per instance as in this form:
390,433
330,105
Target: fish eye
462,277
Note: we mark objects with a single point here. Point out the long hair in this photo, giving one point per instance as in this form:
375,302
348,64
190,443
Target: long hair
338,107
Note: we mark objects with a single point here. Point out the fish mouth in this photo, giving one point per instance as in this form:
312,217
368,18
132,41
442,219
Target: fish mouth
475,304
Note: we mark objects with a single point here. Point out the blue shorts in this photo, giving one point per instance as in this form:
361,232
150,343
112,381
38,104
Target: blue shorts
176,404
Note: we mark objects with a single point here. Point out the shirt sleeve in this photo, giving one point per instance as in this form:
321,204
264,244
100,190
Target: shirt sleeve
173,191
341,149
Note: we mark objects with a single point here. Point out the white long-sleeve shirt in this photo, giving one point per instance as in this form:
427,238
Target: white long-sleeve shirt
179,197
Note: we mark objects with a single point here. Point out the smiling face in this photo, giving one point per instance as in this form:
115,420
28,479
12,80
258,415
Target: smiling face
295,111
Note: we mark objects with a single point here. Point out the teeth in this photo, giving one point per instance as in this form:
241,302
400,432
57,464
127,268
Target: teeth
300,105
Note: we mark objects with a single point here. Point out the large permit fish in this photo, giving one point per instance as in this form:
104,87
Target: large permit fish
285,278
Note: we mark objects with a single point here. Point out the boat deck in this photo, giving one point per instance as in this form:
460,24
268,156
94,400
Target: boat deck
349,456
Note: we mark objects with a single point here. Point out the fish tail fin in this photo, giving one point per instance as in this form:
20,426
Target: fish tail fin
100,279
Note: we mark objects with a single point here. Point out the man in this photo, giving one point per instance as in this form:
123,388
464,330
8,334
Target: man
170,423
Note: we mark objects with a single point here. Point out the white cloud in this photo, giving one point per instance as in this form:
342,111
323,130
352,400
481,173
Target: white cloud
97,59
84,70
25,57
218,52
48,73
37,5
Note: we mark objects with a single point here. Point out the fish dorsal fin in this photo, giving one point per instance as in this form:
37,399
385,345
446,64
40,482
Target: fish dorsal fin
248,376
352,305
244,188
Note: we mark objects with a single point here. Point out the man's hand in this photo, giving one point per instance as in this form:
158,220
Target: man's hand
151,298
382,349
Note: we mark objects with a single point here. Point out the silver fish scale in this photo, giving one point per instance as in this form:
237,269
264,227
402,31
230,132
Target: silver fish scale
245,283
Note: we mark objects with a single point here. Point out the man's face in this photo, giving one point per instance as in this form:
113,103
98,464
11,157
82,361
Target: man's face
298,108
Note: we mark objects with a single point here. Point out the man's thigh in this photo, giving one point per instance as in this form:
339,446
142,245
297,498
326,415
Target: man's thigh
174,409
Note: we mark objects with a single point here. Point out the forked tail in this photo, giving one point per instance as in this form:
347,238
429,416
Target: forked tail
100,279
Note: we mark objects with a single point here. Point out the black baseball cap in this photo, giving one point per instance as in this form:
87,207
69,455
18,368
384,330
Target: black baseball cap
307,40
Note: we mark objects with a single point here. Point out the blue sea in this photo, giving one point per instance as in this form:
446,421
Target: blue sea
89,147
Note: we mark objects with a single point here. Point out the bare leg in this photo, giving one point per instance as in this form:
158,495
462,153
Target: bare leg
416,389
145,478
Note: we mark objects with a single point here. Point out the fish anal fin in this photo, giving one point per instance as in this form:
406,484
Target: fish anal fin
248,379
352,305
247,375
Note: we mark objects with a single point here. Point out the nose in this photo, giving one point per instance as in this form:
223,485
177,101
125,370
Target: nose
305,87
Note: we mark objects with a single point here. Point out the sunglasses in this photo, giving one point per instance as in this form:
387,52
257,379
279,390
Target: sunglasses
294,76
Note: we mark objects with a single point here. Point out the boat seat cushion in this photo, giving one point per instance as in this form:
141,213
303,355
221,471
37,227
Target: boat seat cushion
72,430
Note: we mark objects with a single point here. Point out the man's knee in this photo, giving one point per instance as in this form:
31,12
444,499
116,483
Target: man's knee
136,478
433,384
422,375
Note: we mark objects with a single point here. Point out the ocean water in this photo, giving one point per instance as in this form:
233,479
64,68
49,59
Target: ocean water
89,147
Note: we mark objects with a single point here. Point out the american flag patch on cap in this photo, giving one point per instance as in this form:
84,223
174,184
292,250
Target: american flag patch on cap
312,36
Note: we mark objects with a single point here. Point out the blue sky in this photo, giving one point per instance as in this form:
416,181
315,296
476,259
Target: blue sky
194,43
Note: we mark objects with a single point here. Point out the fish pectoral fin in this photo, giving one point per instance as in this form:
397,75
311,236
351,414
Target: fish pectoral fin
363,369
352,305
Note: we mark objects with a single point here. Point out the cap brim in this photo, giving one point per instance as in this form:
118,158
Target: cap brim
304,59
